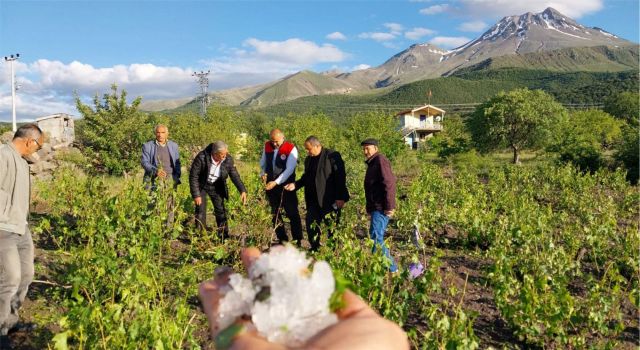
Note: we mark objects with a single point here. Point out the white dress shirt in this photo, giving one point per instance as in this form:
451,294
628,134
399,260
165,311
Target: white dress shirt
214,172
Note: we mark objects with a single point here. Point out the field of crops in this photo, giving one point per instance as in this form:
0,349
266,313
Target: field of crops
514,256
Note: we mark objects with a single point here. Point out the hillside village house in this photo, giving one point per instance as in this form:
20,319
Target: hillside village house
59,128
420,123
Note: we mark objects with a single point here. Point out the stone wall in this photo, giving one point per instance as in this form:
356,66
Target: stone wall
44,162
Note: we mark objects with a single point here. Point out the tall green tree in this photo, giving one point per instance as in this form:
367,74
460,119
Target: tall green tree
520,119
454,138
628,152
585,137
112,132
625,105
379,125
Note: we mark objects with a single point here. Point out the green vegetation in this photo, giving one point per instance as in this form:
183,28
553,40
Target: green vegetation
520,119
572,59
585,137
469,87
111,132
542,255
624,105
558,272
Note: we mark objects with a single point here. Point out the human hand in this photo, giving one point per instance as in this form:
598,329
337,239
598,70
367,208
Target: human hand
270,185
340,204
161,173
358,327
243,198
290,187
198,201
389,213
264,178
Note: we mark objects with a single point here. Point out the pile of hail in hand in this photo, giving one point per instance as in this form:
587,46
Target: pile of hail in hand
287,302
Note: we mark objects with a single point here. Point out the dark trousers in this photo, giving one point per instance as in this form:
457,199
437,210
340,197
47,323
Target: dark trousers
316,216
219,211
287,200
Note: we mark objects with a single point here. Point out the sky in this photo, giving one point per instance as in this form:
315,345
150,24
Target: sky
151,48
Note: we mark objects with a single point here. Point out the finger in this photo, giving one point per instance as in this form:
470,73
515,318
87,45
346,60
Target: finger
249,255
353,305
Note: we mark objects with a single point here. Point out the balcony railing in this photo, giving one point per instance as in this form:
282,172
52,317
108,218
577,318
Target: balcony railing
429,126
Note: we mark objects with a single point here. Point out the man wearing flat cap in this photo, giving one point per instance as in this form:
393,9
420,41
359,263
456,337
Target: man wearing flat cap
380,193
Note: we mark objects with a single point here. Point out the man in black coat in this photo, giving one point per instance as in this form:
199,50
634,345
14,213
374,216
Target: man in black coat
208,176
325,187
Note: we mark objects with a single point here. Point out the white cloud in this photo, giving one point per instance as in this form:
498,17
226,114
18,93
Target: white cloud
295,51
336,36
498,8
394,28
449,42
391,45
48,86
434,9
377,36
417,33
473,26
360,67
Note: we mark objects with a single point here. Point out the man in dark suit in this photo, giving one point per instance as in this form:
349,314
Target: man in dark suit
208,176
325,187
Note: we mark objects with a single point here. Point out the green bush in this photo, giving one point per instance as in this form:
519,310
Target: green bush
112,132
624,105
584,138
628,153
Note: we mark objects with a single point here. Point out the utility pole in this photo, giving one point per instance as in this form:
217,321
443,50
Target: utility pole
203,80
10,59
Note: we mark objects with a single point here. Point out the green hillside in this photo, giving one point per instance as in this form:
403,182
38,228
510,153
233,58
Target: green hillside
575,59
471,87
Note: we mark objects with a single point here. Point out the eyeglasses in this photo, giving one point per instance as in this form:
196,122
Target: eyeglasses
37,143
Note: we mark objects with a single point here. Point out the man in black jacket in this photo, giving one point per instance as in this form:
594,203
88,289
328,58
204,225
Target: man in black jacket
208,176
325,187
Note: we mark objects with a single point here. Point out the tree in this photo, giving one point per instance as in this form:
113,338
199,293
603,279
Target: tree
628,152
379,125
454,138
584,138
520,119
112,132
624,105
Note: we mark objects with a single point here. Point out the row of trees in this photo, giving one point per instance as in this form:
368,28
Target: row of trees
533,120
113,130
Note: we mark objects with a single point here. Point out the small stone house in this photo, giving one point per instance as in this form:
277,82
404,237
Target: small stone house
59,128
420,123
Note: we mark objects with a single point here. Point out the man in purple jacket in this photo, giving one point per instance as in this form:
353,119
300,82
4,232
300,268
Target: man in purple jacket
380,193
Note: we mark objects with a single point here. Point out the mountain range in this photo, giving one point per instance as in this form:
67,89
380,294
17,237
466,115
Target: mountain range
547,40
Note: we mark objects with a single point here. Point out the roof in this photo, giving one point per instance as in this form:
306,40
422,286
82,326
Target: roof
431,110
56,115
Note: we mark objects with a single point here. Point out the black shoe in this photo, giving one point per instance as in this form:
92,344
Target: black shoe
5,342
25,327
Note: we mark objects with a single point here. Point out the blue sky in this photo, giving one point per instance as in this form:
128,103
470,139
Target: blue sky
151,47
